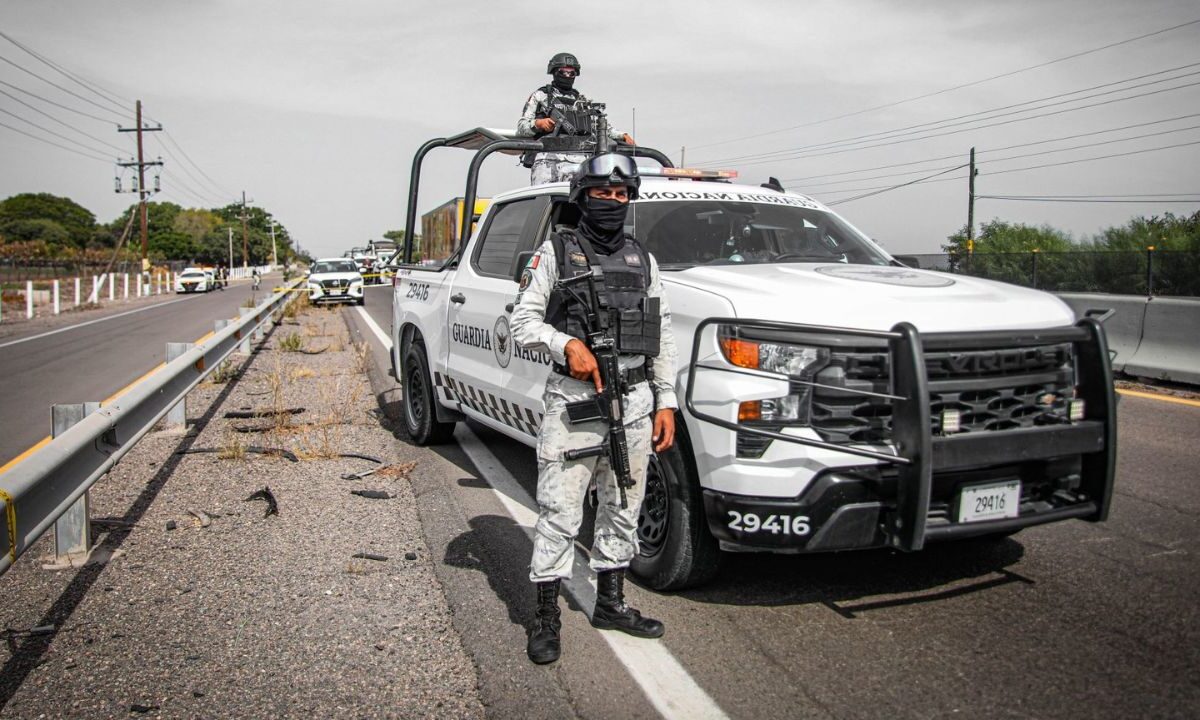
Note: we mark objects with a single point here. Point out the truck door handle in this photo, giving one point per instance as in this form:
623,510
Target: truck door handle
458,298
509,308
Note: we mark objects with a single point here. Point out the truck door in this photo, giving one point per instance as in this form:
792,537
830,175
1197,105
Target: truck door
480,343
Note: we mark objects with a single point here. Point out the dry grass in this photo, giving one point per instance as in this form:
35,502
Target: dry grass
301,373
233,447
222,374
362,357
292,342
296,305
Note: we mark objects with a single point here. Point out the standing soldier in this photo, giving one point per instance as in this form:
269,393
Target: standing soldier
549,318
537,121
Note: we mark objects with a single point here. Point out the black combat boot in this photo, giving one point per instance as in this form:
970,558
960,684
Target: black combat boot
544,646
612,613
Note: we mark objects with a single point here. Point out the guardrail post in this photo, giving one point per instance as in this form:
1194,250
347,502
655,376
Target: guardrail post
28,299
177,415
244,348
73,530
56,302
112,286
126,288
77,288
1149,271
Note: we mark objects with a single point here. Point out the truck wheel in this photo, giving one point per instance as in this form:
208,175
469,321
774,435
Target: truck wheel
360,301
420,417
676,550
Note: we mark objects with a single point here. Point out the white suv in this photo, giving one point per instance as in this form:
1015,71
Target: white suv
335,280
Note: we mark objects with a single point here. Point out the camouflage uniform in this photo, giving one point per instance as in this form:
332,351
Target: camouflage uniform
555,166
562,484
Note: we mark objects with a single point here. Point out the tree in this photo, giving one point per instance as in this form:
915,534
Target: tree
34,230
77,221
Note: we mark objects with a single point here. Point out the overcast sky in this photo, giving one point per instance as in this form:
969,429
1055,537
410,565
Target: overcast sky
315,108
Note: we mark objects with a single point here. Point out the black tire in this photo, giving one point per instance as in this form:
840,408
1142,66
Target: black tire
420,417
361,301
676,550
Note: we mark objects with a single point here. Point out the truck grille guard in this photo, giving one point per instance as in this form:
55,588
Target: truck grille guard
918,453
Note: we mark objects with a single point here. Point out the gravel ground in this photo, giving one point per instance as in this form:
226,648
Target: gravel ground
252,616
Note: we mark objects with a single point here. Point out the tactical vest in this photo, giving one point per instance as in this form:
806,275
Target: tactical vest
627,313
564,105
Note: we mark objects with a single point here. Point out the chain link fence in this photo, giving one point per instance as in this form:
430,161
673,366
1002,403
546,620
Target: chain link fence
1149,272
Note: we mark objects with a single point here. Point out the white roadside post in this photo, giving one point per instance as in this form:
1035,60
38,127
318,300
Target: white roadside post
177,416
112,286
77,288
244,348
127,286
56,302
28,299
72,531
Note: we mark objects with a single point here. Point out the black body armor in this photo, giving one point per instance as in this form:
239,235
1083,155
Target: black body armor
629,315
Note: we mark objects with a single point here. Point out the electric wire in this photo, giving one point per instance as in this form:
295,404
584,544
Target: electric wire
60,122
60,87
1154,200
841,146
59,135
184,168
953,88
95,88
996,112
897,187
59,105
51,142
213,183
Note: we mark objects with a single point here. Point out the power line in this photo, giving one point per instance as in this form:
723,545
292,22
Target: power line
180,164
73,141
55,104
60,87
60,122
1155,200
956,87
889,135
979,127
1026,155
897,187
51,142
94,88
213,183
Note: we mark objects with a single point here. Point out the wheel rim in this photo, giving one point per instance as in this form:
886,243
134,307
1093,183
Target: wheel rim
654,519
414,389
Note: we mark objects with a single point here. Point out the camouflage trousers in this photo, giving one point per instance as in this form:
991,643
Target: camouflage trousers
563,484
554,167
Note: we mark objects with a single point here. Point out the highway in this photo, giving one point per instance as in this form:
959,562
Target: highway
75,362
1067,620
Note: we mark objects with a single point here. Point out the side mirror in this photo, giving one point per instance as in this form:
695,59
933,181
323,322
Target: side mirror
522,261
908,261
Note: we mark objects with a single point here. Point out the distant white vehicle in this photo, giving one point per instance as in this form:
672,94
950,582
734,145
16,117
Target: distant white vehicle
194,280
335,280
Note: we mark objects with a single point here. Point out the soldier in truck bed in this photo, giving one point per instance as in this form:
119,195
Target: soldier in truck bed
536,122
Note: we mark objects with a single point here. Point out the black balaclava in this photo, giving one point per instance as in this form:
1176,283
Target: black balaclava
602,223
563,82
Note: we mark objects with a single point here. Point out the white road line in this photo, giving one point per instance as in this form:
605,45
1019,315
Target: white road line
379,333
667,685
91,322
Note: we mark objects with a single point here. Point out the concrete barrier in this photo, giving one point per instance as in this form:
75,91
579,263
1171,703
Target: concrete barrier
1170,346
1124,328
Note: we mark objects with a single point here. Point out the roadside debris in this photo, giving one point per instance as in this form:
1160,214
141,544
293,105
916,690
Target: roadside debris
359,475
142,709
373,494
203,517
270,451
368,458
266,494
171,525
247,414
410,555
370,556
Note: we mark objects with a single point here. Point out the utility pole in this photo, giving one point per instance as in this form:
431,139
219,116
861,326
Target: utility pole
682,156
971,205
245,241
230,229
143,193
274,251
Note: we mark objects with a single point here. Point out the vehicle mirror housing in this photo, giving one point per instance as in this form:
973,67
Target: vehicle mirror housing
522,261
908,261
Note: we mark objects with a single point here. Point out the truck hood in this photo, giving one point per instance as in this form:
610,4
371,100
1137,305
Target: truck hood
344,276
875,297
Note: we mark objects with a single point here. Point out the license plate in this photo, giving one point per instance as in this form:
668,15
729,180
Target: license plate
335,291
989,502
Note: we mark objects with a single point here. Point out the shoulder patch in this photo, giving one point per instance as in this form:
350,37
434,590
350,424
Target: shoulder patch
533,261
526,278
579,259
633,259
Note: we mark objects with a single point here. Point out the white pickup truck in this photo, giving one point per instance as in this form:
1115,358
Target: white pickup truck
834,398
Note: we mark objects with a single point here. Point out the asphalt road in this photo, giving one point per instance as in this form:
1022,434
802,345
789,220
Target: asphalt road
85,362
1066,620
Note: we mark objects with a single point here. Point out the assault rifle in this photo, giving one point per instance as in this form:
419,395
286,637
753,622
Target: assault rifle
608,405
583,128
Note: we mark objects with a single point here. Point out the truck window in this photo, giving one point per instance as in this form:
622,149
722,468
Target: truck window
501,240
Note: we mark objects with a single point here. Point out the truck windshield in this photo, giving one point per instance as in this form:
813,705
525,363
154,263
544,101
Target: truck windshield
686,233
336,266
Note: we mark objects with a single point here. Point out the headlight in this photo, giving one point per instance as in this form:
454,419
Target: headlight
799,362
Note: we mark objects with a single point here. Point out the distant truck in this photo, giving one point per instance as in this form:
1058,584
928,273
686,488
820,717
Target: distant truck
833,399
441,226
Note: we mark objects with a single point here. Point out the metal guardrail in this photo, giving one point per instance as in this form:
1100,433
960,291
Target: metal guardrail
47,484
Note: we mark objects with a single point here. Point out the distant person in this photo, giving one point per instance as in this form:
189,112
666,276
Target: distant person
537,121
256,279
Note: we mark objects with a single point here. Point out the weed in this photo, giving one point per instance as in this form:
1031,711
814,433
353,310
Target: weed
302,372
292,342
232,447
249,303
222,374
362,357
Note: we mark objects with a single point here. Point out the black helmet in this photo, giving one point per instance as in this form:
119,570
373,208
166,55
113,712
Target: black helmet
605,170
563,60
